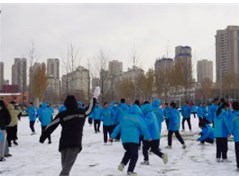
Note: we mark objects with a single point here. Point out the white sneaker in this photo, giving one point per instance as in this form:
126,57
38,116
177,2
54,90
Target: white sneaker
144,162
121,167
218,160
226,161
33,133
131,173
184,146
165,158
169,147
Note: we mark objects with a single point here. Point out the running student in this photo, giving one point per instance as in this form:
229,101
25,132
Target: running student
72,121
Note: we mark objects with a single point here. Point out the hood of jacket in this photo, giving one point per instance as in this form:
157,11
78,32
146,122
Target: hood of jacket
43,105
135,110
156,103
146,108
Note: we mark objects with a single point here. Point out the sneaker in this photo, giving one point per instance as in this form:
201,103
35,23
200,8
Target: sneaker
184,146
226,161
146,162
131,173
15,142
33,133
49,142
182,130
165,158
2,159
169,147
121,167
218,160
237,169
8,155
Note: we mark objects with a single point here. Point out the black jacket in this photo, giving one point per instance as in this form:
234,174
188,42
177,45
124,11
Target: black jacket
5,119
72,122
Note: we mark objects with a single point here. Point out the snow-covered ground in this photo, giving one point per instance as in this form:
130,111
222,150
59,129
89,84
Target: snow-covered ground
31,158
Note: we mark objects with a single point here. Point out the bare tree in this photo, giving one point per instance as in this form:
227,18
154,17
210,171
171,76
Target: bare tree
70,63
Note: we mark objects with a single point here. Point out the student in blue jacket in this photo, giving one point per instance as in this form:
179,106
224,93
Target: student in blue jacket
158,112
222,131
235,130
153,126
45,114
130,129
96,116
166,113
173,126
186,112
107,116
201,113
32,113
207,134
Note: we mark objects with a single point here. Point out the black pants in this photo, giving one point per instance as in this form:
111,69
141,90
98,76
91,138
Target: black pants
42,129
178,136
32,126
208,140
194,114
166,121
189,123
131,155
107,130
237,153
11,134
97,125
90,120
221,146
154,145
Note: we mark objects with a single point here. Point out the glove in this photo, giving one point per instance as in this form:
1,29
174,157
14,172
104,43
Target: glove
96,92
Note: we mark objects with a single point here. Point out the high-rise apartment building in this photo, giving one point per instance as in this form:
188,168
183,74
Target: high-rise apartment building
163,65
183,56
115,67
53,88
53,68
19,73
227,52
1,75
204,70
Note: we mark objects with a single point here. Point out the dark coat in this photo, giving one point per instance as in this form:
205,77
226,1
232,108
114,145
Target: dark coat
5,119
72,122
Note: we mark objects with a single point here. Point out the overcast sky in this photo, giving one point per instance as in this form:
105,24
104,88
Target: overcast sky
120,30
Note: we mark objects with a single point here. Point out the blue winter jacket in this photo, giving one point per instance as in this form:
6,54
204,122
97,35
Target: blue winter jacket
96,114
194,108
235,126
174,120
158,112
207,132
167,112
222,124
61,108
131,127
45,114
31,110
201,111
186,111
151,121
211,112
107,116
123,110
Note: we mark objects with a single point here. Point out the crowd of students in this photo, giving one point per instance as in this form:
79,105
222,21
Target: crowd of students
136,125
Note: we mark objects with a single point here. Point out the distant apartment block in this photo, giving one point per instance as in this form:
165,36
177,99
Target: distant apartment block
204,70
19,73
227,52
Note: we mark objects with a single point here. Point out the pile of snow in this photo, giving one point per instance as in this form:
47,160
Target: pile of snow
31,158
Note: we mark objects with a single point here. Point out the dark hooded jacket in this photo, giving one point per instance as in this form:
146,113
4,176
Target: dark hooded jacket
72,121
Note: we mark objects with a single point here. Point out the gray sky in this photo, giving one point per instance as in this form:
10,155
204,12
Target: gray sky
147,30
